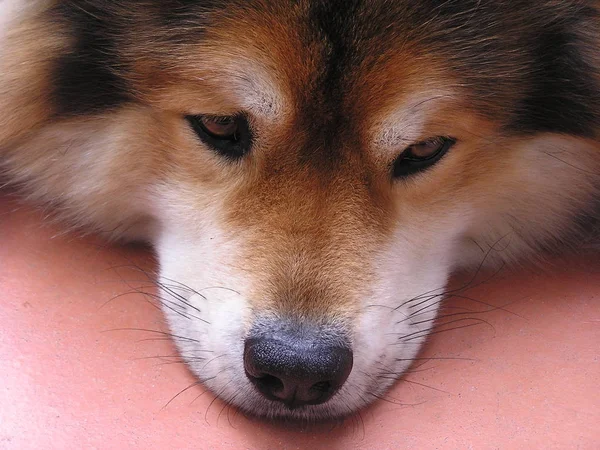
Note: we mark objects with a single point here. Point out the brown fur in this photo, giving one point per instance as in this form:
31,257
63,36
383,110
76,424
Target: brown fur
313,212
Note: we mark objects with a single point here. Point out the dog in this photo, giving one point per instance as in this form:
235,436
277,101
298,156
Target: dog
309,172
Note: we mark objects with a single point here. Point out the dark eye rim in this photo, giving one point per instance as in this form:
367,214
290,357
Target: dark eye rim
232,148
405,166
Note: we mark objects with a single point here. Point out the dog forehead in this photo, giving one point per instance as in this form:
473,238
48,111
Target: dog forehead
507,57
511,58
326,65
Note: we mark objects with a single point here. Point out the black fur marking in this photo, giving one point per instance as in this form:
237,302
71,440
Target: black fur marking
495,46
520,58
332,28
564,96
86,79
333,21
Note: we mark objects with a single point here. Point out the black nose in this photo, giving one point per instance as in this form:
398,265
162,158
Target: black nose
296,370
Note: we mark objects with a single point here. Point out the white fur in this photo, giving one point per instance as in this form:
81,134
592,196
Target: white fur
405,125
140,173
209,303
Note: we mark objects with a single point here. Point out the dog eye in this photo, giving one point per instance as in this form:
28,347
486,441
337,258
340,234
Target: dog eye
422,155
225,128
230,136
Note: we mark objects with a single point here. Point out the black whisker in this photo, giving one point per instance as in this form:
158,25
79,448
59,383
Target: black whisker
425,386
433,358
195,383
446,329
216,397
164,333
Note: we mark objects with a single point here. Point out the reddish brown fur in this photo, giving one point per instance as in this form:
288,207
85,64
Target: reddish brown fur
313,212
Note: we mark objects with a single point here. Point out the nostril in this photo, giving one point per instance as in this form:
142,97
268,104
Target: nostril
268,383
321,387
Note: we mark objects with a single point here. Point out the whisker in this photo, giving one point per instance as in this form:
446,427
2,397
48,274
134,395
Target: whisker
195,383
216,397
433,358
163,301
392,400
220,287
446,329
164,333
444,316
465,286
425,386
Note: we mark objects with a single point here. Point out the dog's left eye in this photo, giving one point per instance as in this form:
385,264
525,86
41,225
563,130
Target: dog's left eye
422,155
228,135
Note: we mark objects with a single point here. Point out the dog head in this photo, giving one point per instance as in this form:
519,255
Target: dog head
311,172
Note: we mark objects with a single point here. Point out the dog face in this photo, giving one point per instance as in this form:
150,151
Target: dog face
310,173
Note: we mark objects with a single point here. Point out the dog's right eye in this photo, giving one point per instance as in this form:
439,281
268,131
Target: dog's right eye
230,136
418,157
